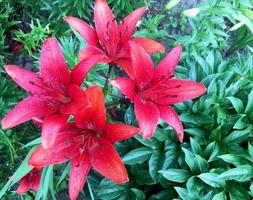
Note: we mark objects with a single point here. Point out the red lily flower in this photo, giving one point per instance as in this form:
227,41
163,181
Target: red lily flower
88,143
30,181
51,93
110,40
154,89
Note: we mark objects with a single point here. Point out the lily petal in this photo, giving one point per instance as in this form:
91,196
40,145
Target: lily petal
142,65
167,66
126,65
66,147
82,68
118,132
106,26
26,79
80,167
125,85
169,115
53,67
90,50
24,186
127,26
147,115
149,45
25,110
78,100
85,30
52,125
93,117
105,160
173,91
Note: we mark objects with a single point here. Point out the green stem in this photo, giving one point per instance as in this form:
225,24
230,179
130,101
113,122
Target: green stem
105,89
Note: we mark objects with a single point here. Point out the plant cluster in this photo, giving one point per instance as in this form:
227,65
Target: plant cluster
213,161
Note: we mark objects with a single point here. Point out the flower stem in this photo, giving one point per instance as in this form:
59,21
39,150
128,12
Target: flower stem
105,89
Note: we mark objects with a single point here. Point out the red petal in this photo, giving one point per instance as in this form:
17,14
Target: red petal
93,117
52,125
142,65
85,30
106,26
105,159
147,115
169,115
25,110
118,132
127,26
167,66
149,45
53,67
78,100
90,50
25,78
125,85
126,65
24,185
66,148
80,167
172,91
38,121
82,68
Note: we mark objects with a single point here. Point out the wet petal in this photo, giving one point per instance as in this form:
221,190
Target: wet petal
66,147
125,85
167,66
26,79
53,67
147,115
85,30
173,91
93,117
169,115
52,125
82,68
25,110
126,65
127,26
78,100
118,132
142,65
106,25
80,167
90,50
105,160
149,45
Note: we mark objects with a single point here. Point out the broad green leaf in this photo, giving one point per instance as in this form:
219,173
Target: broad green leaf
137,156
155,164
171,4
176,175
140,195
241,174
234,159
220,196
237,104
212,179
182,192
237,136
249,105
190,159
237,192
191,12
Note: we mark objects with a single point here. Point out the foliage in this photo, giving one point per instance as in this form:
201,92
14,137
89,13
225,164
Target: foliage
215,159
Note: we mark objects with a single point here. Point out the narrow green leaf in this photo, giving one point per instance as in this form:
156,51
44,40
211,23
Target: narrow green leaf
237,104
211,179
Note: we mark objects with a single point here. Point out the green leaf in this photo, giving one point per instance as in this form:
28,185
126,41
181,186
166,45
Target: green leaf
137,156
182,192
176,175
220,196
212,179
191,12
171,4
155,164
140,195
234,159
237,104
237,192
237,136
241,174
190,160
249,105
